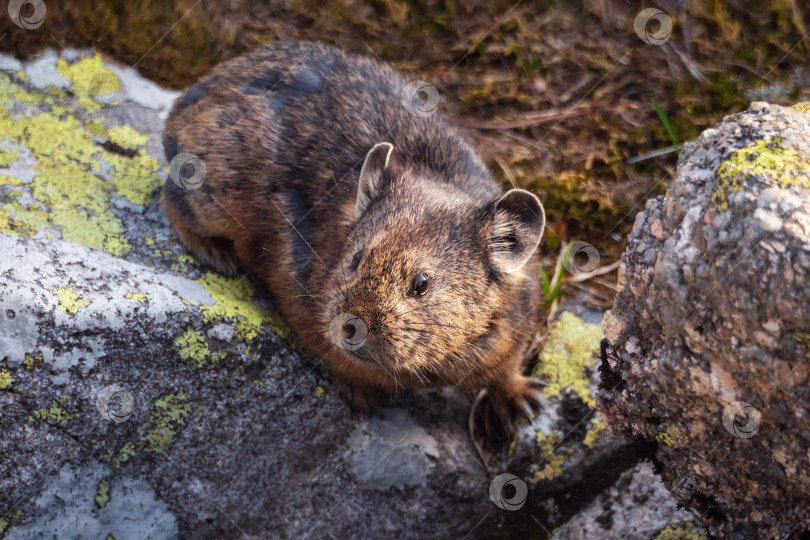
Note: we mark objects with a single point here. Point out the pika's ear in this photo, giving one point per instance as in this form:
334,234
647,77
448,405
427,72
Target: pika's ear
517,228
371,175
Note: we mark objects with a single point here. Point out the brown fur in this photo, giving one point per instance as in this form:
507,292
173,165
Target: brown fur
284,132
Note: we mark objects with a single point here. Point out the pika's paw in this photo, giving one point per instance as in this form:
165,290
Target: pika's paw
493,414
364,399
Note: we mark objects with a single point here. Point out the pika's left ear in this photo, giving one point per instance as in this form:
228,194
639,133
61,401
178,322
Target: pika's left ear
517,228
371,175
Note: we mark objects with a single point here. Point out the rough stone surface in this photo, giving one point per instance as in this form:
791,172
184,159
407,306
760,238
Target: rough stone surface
713,313
146,397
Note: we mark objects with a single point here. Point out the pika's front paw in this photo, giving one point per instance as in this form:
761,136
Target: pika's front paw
364,399
493,414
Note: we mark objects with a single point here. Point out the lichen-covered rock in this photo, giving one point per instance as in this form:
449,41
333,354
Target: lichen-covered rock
706,364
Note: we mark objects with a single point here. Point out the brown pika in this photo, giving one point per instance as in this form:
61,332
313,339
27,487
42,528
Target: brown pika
384,240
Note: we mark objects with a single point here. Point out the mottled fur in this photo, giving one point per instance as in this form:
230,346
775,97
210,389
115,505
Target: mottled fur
284,132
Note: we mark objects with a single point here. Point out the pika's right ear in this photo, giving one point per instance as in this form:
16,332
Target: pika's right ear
371,175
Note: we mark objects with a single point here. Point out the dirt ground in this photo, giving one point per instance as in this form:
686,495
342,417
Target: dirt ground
559,96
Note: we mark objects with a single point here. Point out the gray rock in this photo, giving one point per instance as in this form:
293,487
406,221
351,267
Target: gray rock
708,345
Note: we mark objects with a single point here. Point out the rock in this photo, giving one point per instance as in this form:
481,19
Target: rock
707,343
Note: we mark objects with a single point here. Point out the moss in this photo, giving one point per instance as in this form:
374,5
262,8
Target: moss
6,379
165,421
56,414
138,297
192,346
89,80
102,493
567,357
764,159
69,300
680,532
8,156
8,519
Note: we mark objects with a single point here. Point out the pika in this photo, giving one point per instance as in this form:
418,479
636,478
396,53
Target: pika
384,240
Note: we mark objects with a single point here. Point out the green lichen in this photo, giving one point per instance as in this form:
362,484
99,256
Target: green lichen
125,454
8,156
567,357
56,414
192,346
764,159
8,519
6,379
138,297
69,300
102,494
69,162
680,532
165,421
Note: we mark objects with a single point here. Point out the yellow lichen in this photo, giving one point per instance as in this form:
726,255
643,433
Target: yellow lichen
567,357
671,436
8,156
164,422
233,299
192,346
69,162
126,137
91,80
55,414
318,391
680,532
597,427
548,451
765,159
139,297
69,299
6,379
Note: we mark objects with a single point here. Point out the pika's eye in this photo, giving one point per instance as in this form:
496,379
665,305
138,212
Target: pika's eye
419,285
356,259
